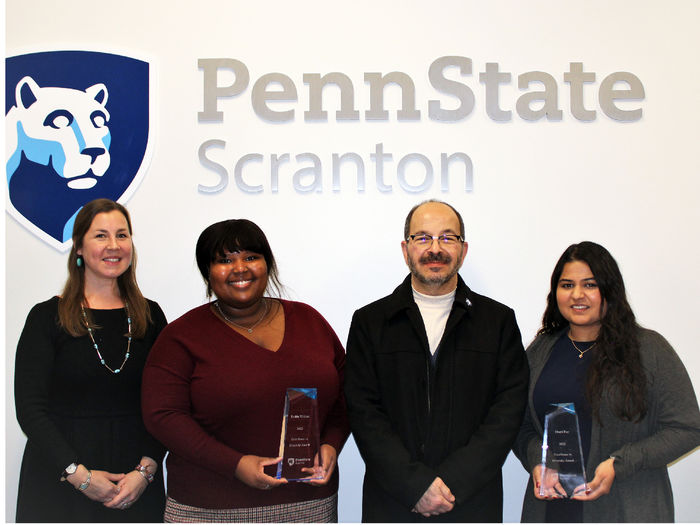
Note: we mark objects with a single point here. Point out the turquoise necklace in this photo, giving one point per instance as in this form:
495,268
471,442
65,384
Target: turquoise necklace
97,349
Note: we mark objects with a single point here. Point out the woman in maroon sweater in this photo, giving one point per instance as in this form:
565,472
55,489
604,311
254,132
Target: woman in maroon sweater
214,390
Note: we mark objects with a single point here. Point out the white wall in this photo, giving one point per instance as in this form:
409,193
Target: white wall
537,186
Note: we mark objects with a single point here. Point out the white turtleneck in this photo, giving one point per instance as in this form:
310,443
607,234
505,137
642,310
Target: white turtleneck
434,309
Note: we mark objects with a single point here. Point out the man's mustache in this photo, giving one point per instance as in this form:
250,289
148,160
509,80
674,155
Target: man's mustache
436,257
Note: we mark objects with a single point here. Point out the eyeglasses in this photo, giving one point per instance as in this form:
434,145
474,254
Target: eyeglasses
421,239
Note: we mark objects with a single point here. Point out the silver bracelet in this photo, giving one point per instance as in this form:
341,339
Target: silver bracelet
83,486
144,472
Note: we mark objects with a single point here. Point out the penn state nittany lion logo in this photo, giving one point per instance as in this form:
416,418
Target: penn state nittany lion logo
77,128
65,128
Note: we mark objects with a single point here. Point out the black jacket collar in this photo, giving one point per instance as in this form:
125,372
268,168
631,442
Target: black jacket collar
402,297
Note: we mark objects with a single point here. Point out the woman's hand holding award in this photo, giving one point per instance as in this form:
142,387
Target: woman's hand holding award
563,472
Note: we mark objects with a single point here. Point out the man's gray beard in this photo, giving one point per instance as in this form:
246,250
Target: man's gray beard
435,281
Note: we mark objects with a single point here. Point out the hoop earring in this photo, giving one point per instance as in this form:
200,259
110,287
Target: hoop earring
79,261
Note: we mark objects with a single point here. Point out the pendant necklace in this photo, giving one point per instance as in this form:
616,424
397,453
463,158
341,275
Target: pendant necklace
248,328
94,343
581,352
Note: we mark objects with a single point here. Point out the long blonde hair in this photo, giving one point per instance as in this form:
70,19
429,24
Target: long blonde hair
69,305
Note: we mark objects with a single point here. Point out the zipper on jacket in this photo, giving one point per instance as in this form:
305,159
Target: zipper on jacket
427,381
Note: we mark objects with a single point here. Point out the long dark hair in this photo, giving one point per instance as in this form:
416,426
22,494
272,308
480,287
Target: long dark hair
616,368
230,236
69,314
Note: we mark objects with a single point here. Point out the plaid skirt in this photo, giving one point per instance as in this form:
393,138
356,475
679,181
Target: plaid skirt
314,511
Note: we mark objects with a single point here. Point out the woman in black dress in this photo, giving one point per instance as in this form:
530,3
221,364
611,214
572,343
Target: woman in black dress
78,370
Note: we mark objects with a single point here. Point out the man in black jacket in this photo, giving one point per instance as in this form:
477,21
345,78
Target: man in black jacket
436,385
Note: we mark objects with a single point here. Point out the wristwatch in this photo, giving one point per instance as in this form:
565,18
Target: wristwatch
70,469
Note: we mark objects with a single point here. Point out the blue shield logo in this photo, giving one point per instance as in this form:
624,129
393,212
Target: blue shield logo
77,128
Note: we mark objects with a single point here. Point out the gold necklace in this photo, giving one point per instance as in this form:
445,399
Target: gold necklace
581,352
248,328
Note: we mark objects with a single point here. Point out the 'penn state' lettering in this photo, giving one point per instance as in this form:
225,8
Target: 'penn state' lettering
274,96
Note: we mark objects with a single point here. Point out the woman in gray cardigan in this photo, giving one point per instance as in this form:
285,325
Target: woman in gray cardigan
636,406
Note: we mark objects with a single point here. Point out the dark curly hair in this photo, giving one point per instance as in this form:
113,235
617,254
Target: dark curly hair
616,369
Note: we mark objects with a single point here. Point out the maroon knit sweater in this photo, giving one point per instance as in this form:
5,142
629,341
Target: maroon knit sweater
211,396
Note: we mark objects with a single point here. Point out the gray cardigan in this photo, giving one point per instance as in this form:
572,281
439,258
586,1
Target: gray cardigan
641,491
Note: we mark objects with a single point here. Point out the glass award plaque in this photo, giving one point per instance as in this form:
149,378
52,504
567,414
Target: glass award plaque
300,440
563,470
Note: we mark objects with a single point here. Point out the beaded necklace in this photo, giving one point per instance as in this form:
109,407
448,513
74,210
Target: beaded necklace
94,343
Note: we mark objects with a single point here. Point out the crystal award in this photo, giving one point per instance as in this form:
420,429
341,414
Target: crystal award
563,470
300,439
